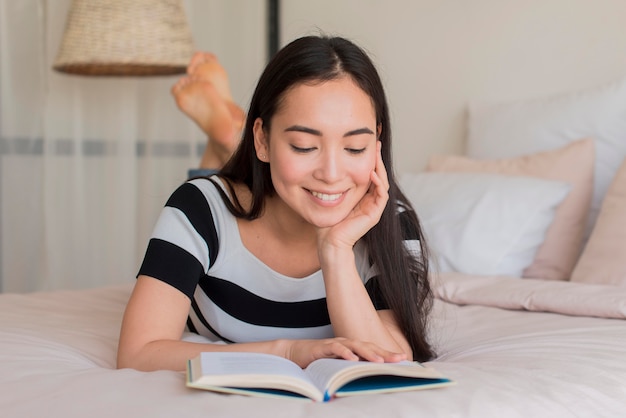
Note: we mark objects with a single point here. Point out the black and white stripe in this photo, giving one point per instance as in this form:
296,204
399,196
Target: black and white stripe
196,247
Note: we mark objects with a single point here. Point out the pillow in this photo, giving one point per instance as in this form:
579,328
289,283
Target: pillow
604,259
501,130
484,224
571,164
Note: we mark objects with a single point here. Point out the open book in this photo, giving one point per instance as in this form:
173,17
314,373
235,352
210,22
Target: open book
268,375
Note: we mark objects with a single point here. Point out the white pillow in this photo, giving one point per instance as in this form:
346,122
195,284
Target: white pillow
485,224
502,130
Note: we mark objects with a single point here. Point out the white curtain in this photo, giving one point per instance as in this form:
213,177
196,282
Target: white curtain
86,163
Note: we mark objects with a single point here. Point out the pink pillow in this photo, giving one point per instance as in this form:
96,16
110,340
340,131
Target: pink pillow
573,164
604,259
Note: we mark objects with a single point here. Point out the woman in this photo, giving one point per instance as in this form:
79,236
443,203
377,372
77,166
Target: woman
303,246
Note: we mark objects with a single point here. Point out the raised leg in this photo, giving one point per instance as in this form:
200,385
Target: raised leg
204,95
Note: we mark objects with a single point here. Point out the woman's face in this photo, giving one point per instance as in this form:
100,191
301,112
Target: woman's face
321,149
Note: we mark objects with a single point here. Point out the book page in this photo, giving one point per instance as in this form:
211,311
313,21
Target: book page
261,372
321,371
333,373
249,364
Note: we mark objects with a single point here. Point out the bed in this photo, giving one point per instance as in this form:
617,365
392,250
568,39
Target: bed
57,358
527,231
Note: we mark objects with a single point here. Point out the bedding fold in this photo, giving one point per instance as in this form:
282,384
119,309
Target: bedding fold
568,298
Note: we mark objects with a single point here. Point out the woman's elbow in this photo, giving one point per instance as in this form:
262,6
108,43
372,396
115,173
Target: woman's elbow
124,360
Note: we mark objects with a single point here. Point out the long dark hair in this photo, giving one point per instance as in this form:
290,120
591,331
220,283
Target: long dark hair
403,279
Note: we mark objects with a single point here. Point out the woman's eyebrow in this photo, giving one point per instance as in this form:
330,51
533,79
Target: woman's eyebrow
359,131
300,128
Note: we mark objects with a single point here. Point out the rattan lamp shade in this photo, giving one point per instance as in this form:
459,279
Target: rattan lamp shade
125,38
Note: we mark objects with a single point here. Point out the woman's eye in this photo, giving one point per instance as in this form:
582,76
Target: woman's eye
301,149
355,150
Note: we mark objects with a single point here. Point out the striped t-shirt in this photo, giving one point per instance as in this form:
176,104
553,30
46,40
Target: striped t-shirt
196,247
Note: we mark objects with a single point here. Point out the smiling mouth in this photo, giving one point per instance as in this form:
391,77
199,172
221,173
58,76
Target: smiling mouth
326,197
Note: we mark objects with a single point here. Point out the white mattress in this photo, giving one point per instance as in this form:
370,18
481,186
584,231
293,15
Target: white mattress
57,358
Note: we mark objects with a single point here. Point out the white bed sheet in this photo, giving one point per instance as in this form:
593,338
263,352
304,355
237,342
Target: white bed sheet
57,357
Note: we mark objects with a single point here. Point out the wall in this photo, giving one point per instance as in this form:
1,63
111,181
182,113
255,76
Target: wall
235,31
86,163
435,56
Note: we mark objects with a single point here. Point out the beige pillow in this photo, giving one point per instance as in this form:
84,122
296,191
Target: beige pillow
604,259
573,164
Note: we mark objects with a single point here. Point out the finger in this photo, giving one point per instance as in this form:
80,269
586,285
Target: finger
337,349
390,357
380,169
368,351
376,354
372,357
380,189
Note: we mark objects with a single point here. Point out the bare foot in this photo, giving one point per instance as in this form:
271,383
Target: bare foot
206,66
200,100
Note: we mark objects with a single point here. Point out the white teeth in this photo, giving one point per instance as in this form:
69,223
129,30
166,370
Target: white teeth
327,197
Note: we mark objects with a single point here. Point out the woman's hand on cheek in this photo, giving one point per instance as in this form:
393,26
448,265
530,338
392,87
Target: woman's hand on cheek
365,214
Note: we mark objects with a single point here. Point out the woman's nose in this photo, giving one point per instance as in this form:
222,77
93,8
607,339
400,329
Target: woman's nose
330,166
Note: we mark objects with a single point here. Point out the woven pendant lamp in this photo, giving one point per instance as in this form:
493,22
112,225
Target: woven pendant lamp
125,38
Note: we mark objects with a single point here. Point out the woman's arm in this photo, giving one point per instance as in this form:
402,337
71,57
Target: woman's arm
351,310
154,322
152,327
